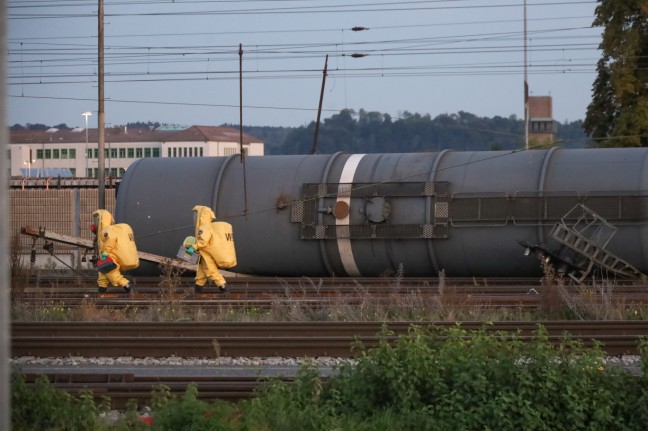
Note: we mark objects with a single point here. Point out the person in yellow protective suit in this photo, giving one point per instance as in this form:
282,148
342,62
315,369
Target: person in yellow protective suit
114,241
205,245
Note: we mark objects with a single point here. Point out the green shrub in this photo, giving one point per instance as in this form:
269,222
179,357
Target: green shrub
452,379
42,407
430,379
188,413
299,407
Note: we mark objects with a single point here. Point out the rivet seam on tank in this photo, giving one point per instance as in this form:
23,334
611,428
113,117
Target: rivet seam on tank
344,195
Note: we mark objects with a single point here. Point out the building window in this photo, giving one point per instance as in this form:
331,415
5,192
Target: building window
169,152
48,154
147,152
122,153
89,173
156,152
201,151
190,152
64,153
138,153
89,153
184,151
72,153
96,153
39,154
113,153
73,171
174,152
131,153
56,154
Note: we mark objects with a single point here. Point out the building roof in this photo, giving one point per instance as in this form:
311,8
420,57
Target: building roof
124,134
46,172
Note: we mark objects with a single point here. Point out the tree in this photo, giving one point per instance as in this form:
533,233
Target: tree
618,113
37,126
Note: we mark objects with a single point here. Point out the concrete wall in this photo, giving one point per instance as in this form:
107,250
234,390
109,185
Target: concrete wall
64,211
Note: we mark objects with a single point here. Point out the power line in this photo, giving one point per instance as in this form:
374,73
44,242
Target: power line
353,8
158,102
301,30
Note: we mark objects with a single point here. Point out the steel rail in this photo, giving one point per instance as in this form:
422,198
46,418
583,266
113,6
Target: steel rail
122,387
263,296
288,339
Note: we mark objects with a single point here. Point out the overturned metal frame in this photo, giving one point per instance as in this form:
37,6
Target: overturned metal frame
588,236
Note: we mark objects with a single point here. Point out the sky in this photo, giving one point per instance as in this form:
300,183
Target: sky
178,61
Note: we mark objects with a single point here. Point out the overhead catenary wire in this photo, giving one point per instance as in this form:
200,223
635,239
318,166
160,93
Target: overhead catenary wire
414,57
319,9
117,58
166,55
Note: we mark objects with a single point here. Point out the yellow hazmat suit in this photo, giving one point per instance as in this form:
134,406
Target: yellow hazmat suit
118,242
206,244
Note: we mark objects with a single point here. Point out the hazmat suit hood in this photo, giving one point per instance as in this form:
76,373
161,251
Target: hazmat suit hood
205,216
102,219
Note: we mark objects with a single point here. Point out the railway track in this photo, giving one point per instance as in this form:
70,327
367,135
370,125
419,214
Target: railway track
122,387
118,339
216,340
263,292
265,339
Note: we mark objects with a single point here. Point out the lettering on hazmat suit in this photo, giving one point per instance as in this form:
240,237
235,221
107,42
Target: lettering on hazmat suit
215,243
117,242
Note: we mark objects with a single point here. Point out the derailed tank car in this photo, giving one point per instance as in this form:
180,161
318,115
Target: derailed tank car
467,213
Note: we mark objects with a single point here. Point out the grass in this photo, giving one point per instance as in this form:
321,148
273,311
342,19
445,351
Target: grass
559,299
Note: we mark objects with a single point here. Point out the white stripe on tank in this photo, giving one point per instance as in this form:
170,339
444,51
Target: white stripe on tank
344,195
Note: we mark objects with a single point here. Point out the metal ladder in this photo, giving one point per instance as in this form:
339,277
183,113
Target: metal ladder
593,247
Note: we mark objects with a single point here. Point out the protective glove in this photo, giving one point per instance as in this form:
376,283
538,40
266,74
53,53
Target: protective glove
104,256
191,250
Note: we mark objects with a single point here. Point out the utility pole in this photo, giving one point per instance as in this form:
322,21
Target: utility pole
5,319
526,84
240,53
86,115
319,109
102,115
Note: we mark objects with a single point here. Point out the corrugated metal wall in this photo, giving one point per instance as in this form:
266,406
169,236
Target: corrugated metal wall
67,211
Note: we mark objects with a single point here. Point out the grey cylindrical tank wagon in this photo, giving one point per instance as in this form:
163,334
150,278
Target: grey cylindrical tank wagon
467,213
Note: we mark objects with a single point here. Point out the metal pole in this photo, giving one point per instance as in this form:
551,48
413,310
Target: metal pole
102,116
241,127
86,115
526,84
5,340
240,53
319,109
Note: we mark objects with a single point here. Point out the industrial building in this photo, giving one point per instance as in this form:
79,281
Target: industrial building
74,152
542,126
